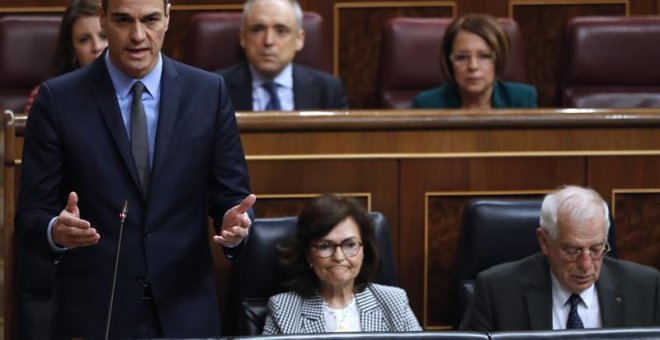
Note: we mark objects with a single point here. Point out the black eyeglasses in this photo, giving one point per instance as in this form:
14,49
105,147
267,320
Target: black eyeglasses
349,246
596,252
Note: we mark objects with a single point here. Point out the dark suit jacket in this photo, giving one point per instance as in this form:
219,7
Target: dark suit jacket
518,296
75,140
312,89
505,95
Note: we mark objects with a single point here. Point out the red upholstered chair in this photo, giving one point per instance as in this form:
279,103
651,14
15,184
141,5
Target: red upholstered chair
213,42
410,54
610,62
27,46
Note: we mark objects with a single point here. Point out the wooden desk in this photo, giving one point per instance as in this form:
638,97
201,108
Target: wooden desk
420,167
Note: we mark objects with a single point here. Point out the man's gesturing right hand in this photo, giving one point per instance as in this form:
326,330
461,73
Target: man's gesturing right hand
69,230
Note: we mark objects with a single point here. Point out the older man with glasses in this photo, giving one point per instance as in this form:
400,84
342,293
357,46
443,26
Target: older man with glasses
570,283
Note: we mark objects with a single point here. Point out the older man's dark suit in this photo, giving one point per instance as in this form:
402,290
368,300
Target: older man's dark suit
76,141
518,296
312,89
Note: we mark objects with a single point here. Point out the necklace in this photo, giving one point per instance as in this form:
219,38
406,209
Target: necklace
341,316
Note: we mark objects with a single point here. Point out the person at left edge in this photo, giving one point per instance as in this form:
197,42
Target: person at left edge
78,168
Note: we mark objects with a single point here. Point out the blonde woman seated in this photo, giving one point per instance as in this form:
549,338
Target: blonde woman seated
473,54
333,258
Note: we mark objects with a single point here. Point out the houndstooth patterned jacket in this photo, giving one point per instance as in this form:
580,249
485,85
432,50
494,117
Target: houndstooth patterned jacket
381,308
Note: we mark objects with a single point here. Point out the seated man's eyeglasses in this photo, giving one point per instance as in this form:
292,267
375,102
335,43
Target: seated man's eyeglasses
596,252
349,246
463,59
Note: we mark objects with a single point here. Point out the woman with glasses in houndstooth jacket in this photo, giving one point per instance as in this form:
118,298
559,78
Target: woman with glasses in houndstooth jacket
332,260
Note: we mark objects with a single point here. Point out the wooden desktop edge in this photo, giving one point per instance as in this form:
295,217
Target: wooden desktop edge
434,119
445,119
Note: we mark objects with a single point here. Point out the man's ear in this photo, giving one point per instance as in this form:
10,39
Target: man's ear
167,15
541,237
241,37
300,40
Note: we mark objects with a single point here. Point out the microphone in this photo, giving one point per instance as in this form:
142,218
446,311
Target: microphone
122,217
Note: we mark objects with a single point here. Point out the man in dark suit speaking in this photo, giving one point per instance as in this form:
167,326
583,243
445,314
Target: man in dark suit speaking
571,284
133,126
271,34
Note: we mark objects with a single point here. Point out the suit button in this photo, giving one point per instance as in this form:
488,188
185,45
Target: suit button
147,234
140,278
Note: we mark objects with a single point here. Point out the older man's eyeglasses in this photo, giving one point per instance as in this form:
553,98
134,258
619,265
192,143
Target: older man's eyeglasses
464,59
349,246
596,252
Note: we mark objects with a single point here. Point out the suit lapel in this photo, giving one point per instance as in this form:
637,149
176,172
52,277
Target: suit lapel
240,88
539,295
497,98
371,316
612,303
305,93
106,96
167,116
311,317
539,305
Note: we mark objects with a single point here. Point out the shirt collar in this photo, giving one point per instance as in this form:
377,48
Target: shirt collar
283,79
123,83
560,294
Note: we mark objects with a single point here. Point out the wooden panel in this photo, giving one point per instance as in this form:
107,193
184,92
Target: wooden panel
637,219
376,178
358,31
414,133
467,177
632,185
618,173
542,28
282,205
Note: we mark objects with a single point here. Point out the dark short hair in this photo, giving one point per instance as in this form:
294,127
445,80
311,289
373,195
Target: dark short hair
104,3
64,60
318,219
484,26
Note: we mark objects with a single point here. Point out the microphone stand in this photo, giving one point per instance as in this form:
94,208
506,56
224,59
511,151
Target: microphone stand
122,217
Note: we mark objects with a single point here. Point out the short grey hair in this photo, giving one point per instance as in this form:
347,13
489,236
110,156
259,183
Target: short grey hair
581,204
297,11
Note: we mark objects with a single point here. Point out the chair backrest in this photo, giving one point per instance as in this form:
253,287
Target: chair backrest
410,58
610,62
257,274
27,47
495,231
213,42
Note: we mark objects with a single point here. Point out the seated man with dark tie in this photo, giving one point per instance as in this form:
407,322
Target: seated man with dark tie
571,283
271,34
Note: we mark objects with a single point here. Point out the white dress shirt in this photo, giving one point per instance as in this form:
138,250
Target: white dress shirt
588,308
284,82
